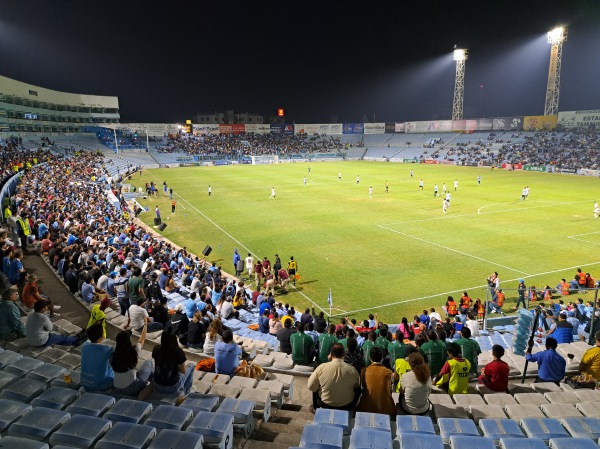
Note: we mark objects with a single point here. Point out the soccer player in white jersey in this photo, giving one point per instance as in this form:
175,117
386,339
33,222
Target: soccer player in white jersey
455,185
272,193
370,192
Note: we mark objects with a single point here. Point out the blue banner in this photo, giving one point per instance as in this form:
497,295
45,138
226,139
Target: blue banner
222,162
353,128
277,128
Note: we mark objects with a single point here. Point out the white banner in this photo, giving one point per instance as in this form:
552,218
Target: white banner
153,129
200,130
308,128
431,126
586,171
579,119
374,128
399,127
258,129
330,128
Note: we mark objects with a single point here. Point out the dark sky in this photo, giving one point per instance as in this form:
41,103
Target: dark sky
321,60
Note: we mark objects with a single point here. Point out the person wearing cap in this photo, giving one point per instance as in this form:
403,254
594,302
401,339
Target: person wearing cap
11,326
590,362
38,328
563,333
98,316
31,294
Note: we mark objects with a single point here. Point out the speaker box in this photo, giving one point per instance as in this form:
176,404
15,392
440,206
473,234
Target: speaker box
138,211
162,227
206,251
157,221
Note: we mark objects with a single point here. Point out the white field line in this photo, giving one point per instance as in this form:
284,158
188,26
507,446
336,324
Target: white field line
454,250
584,240
460,290
242,245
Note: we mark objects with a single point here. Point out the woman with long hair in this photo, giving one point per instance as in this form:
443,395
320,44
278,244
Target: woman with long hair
196,332
274,324
406,329
215,331
416,386
171,373
128,379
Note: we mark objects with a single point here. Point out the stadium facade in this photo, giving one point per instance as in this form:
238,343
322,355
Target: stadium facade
28,108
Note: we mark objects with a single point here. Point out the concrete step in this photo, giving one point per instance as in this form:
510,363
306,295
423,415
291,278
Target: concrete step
282,424
255,444
265,434
302,416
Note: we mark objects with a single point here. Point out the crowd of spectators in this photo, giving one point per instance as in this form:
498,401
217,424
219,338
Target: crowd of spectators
231,146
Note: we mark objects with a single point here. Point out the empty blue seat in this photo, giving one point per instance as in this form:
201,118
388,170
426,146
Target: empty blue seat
414,440
216,428
125,435
522,443
370,438
169,417
22,366
6,379
175,439
46,372
456,426
543,428
373,421
337,418
10,411
39,423
8,358
471,442
200,402
91,404
496,428
572,443
81,431
582,427
412,423
21,443
241,410
55,397
322,436
23,390
128,410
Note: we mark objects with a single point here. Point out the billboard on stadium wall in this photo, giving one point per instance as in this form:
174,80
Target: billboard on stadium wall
288,130
534,167
539,122
277,128
308,128
258,129
200,130
459,125
330,128
400,127
390,127
374,128
353,128
225,129
579,119
512,166
439,126
588,172
238,128
484,124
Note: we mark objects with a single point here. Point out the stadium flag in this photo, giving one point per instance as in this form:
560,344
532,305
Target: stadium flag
330,299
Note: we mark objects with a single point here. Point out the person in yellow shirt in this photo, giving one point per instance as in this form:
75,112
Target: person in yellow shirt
7,213
590,362
455,373
402,366
98,316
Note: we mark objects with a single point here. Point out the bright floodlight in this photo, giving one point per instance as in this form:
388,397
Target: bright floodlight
461,54
557,35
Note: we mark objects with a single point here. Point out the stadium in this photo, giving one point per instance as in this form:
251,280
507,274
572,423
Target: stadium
235,280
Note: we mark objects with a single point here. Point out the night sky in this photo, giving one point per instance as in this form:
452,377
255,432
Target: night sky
323,61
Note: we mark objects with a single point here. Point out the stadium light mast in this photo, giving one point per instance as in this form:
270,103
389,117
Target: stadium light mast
460,56
556,37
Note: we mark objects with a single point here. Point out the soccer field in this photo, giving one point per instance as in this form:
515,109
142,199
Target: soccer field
394,253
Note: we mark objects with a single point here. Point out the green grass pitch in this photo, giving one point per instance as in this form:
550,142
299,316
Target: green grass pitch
395,253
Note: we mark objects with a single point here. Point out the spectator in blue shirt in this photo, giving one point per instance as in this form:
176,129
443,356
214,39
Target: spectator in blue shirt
191,306
551,365
15,268
96,371
263,321
227,354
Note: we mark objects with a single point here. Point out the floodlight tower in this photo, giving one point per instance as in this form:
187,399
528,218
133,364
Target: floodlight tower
460,56
556,37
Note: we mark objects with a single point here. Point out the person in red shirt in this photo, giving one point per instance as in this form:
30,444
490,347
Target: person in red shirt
495,374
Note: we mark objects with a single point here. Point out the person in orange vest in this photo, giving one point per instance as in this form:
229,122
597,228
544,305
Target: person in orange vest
479,308
591,283
581,278
496,306
173,205
563,286
465,303
451,307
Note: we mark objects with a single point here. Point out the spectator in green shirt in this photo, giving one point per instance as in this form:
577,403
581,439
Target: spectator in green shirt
397,348
469,348
435,350
382,340
302,346
325,342
368,345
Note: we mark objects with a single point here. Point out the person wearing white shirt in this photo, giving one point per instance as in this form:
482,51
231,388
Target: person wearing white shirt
138,316
473,325
249,264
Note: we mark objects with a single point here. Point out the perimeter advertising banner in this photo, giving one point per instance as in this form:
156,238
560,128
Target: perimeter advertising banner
430,126
238,129
484,124
200,130
258,129
353,128
390,127
534,167
400,127
330,128
309,128
539,122
374,128
278,128
225,129
579,119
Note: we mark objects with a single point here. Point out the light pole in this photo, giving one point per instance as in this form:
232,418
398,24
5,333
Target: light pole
460,56
556,37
